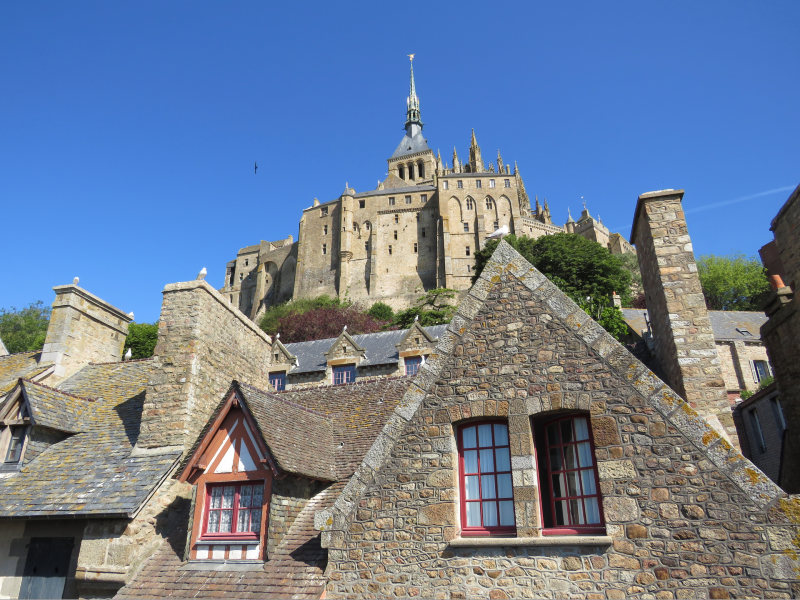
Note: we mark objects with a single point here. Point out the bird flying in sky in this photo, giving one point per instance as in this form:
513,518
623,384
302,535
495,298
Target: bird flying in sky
256,171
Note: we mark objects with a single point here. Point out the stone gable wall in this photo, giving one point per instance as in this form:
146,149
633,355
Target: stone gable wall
203,344
686,515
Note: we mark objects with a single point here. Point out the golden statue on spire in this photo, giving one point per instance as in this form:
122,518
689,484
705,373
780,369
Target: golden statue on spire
411,56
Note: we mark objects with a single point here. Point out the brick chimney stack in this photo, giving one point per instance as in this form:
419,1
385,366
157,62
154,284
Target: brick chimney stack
684,340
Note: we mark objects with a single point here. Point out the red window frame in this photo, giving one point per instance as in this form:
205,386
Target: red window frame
413,363
344,374
483,530
232,535
543,449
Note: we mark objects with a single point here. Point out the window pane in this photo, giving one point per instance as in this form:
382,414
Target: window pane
581,430
587,479
468,437
569,457
560,512
503,459
216,497
504,486
227,496
225,522
487,461
258,495
572,484
489,514
555,459
471,487
471,461
585,454
487,487
473,514
592,512
558,485
255,520
244,496
575,512
566,431
243,522
500,435
552,434
507,513
213,522
484,435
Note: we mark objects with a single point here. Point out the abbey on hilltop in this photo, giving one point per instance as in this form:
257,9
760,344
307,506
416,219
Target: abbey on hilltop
416,231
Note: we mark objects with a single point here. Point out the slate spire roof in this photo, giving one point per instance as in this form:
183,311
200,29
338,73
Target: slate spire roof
412,141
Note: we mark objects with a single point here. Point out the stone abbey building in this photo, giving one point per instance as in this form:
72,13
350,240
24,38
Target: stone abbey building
416,231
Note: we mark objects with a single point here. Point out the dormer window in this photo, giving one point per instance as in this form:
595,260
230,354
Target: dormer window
16,443
344,374
278,381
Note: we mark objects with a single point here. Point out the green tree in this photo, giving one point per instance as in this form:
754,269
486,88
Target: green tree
434,308
609,317
630,262
24,330
579,267
381,312
732,282
142,338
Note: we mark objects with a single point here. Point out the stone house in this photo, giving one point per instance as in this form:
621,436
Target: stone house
782,331
417,230
762,429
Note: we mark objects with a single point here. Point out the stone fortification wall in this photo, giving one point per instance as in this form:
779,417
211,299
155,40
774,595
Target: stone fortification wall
686,515
83,329
203,344
684,339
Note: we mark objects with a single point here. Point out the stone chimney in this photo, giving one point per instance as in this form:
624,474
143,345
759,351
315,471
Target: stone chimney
684,340
204,343
83,329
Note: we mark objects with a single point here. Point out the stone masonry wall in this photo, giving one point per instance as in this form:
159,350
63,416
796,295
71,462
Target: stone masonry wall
679,319
781,334
82,329
686,515
289,496
203,344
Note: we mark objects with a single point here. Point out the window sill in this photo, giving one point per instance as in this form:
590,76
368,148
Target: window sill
550,540
223,565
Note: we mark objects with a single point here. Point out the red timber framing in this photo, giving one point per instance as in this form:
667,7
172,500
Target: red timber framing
232,468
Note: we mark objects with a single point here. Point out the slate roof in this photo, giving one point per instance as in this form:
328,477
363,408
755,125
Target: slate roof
723,322
410,145
300,439
380,349
295,569
14,366
53,408
92,473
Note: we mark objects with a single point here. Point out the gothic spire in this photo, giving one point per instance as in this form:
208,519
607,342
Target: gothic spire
499,162
412,114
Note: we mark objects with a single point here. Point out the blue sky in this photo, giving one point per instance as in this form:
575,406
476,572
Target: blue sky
128,131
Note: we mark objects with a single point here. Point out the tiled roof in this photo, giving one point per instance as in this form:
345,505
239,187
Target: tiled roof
53,408
14,366
92,473
295,569
727,324
358,412
380,349
300,439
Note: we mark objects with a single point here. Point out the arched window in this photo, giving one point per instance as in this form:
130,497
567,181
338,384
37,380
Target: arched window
489,203
421,170
401,171
470,204
568,482
487,493
411,171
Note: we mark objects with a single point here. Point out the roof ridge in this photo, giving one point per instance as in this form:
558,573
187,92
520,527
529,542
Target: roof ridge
23,352
358,381
122,362
47,387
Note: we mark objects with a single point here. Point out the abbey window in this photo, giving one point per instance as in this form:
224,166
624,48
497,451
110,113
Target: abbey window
507,183
491,183
445,185
408,199
478,183
466,227
423,198
391,201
